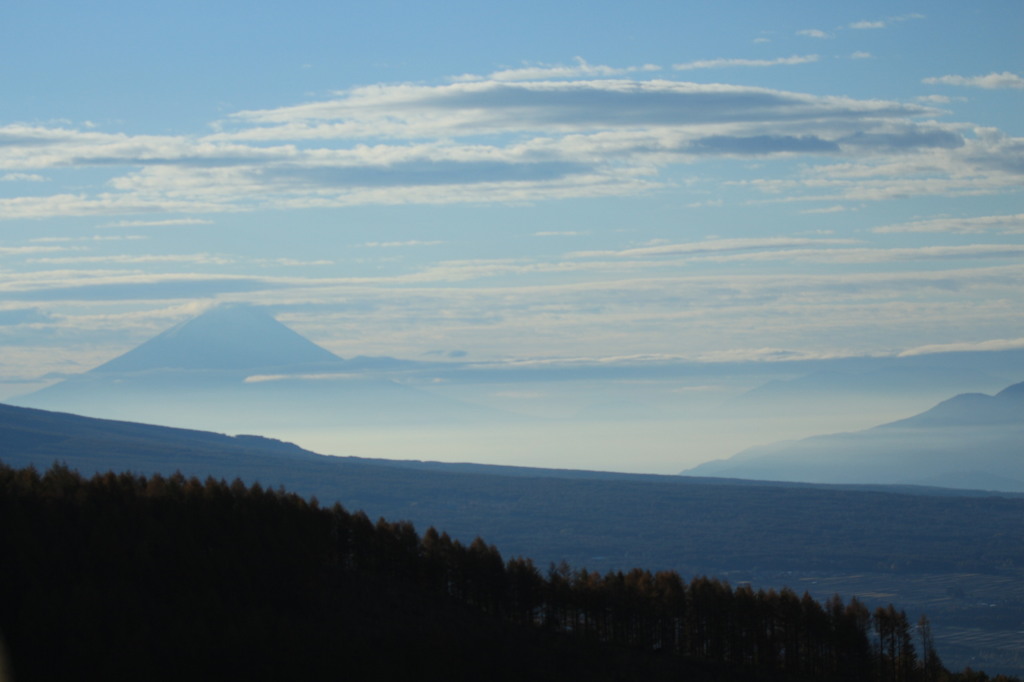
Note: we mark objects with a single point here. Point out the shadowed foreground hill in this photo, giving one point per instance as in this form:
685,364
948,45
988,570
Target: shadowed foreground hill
125,577
956,557
603,520
169,578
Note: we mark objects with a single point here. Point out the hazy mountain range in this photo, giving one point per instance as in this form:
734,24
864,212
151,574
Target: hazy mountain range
972,440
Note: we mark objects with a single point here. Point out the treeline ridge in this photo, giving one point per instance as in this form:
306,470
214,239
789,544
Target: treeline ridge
175,576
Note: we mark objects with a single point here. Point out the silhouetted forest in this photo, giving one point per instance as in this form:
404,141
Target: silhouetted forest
124,576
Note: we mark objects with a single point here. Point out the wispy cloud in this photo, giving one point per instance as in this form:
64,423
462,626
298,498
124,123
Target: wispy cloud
22,177
333,376
723,63
557,71
827,209
988,345
410,242
18,316
100,204
159,223
865,256
293,262
491,107
28,250
792,250
140,259
113,286
499,141
861,25
1000,224
993,81
709,246
883,23
93,238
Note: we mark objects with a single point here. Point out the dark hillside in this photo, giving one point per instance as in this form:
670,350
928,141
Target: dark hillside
959,558
605,521
101,444
126,577
170,578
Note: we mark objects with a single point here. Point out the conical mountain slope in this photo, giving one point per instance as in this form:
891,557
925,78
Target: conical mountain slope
237,369
228,337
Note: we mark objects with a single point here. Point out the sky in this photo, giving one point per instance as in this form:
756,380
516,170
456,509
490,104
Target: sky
513,183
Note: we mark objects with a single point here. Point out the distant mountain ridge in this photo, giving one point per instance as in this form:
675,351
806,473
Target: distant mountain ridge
971,440
825,390
972,409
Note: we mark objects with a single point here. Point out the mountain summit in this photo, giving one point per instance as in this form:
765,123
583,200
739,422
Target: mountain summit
972,409
228,337
237,369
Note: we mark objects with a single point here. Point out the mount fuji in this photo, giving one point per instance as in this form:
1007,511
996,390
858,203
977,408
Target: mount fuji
228,337
236,368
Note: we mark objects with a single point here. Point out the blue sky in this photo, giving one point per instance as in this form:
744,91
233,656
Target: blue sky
530,182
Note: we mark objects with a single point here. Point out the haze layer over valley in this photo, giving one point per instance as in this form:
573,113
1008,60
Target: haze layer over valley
972,440
236,369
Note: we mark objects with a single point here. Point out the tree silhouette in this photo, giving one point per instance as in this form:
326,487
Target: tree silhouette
123,574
